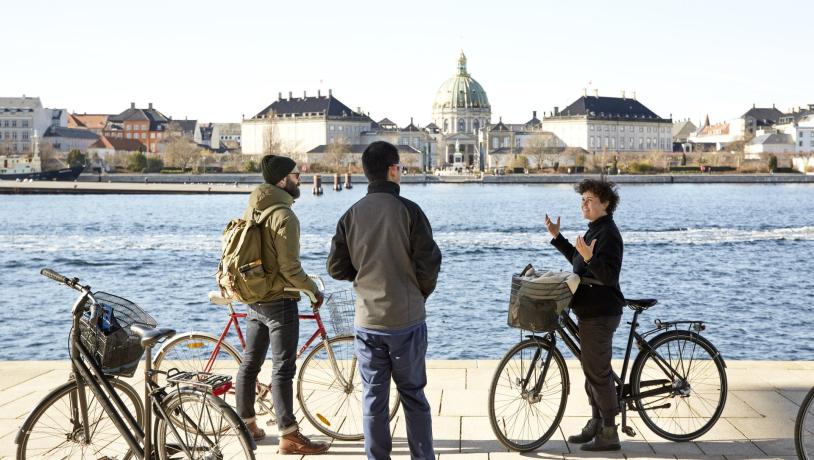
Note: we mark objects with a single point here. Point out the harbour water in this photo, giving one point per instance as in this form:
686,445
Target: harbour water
736,256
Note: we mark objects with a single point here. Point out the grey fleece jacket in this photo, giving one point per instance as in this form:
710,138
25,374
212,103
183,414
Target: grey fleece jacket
384,244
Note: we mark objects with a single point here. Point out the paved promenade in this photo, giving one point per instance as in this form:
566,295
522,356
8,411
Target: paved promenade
757,423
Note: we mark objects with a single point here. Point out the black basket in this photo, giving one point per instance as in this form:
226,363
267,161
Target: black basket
341,308
111,343
537,307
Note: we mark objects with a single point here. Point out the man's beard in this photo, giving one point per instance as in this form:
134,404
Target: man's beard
292,188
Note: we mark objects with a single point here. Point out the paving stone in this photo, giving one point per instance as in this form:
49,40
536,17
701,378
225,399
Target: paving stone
767,403
450,379
464,403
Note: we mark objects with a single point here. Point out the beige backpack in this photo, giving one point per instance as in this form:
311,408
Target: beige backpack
241,274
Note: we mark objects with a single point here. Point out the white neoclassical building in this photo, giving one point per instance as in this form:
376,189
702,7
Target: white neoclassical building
296,125
619,124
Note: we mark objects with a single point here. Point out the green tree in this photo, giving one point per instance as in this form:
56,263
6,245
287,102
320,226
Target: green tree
76,158
154,164
136,162
250,166
772,163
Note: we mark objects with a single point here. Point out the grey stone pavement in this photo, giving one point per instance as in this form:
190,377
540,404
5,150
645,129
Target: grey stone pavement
758,420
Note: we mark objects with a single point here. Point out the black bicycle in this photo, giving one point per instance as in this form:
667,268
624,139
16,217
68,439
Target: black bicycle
804,428
677,382
108,337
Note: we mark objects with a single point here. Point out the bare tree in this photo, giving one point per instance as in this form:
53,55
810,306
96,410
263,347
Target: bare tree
271,140
337,153
181,152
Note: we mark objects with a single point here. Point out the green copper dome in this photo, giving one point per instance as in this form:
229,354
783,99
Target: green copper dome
461,91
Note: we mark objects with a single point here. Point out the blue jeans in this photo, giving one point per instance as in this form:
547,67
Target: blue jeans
402,357
276,324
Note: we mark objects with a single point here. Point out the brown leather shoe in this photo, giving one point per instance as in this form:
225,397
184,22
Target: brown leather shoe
255,431
296,443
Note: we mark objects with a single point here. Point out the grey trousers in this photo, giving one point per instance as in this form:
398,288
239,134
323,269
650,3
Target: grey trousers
276,325
596,345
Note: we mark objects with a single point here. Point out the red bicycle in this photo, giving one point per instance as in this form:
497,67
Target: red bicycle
329,387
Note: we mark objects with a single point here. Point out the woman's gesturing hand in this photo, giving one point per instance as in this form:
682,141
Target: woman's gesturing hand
553,229
585,250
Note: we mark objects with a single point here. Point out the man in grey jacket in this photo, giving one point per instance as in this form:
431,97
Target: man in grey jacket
384,244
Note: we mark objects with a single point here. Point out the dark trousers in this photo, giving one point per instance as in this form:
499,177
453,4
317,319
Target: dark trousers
596,345
402,357
276,324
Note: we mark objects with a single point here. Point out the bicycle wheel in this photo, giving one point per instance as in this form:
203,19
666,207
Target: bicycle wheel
804,428
332,409
521,420
51,431
203,425
691,372
191,352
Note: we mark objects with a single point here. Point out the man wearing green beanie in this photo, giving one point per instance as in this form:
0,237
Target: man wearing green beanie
274,321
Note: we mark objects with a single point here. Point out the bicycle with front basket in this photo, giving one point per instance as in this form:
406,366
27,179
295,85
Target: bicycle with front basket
677,382
97,415
329,386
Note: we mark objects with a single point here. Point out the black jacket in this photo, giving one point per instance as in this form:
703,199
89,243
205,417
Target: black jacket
591,299
384,244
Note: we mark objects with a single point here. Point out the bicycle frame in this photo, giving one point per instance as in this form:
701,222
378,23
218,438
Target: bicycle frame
568,330
319,332
112,404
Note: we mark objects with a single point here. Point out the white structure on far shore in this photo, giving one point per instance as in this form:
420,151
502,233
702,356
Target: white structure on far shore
619,124
23,118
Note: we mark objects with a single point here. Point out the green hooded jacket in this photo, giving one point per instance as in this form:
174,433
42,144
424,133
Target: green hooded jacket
281,243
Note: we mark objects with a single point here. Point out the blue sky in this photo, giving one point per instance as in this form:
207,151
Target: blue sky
217,61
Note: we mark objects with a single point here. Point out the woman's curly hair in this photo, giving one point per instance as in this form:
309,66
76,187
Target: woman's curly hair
604,190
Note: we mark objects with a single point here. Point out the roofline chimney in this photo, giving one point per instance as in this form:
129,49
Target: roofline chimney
304,95
330,92
634,95
533,114
319,93
596,92
623,94
290,96
584,92
556,110
150,105
132,105
280,96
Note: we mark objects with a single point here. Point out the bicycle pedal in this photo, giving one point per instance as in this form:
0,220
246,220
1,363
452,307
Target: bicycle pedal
629,431
271,421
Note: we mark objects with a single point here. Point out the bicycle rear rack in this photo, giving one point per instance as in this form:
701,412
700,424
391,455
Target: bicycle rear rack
204,381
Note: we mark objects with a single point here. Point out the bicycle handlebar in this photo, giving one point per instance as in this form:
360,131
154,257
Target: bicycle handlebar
70,282
311,295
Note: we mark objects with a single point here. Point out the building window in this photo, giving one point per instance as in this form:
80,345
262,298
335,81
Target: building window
591,127
13,123
461,125
613,143
495,140
606,141
648,129
606,128
475,125
25,136
641,129
128,135
340,127
446,125
144,135
591,142
24,123
613,128
631,143
331,128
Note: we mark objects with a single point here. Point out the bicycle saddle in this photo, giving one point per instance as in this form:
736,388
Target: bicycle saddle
641,304
217,299
149,336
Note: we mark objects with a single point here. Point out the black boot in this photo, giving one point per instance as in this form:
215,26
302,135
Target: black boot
588,433
606,439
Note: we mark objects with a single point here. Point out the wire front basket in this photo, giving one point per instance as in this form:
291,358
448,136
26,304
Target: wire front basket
114,347
341,308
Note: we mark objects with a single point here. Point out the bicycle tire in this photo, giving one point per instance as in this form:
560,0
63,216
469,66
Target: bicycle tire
506,384
708,384
223,435
339,418
47,417
804,428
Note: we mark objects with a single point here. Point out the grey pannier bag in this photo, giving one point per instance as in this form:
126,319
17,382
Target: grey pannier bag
538,299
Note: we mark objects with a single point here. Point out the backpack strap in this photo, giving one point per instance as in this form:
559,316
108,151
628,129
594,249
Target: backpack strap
266,213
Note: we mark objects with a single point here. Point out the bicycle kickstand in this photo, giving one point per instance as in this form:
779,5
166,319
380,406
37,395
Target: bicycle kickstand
627,429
